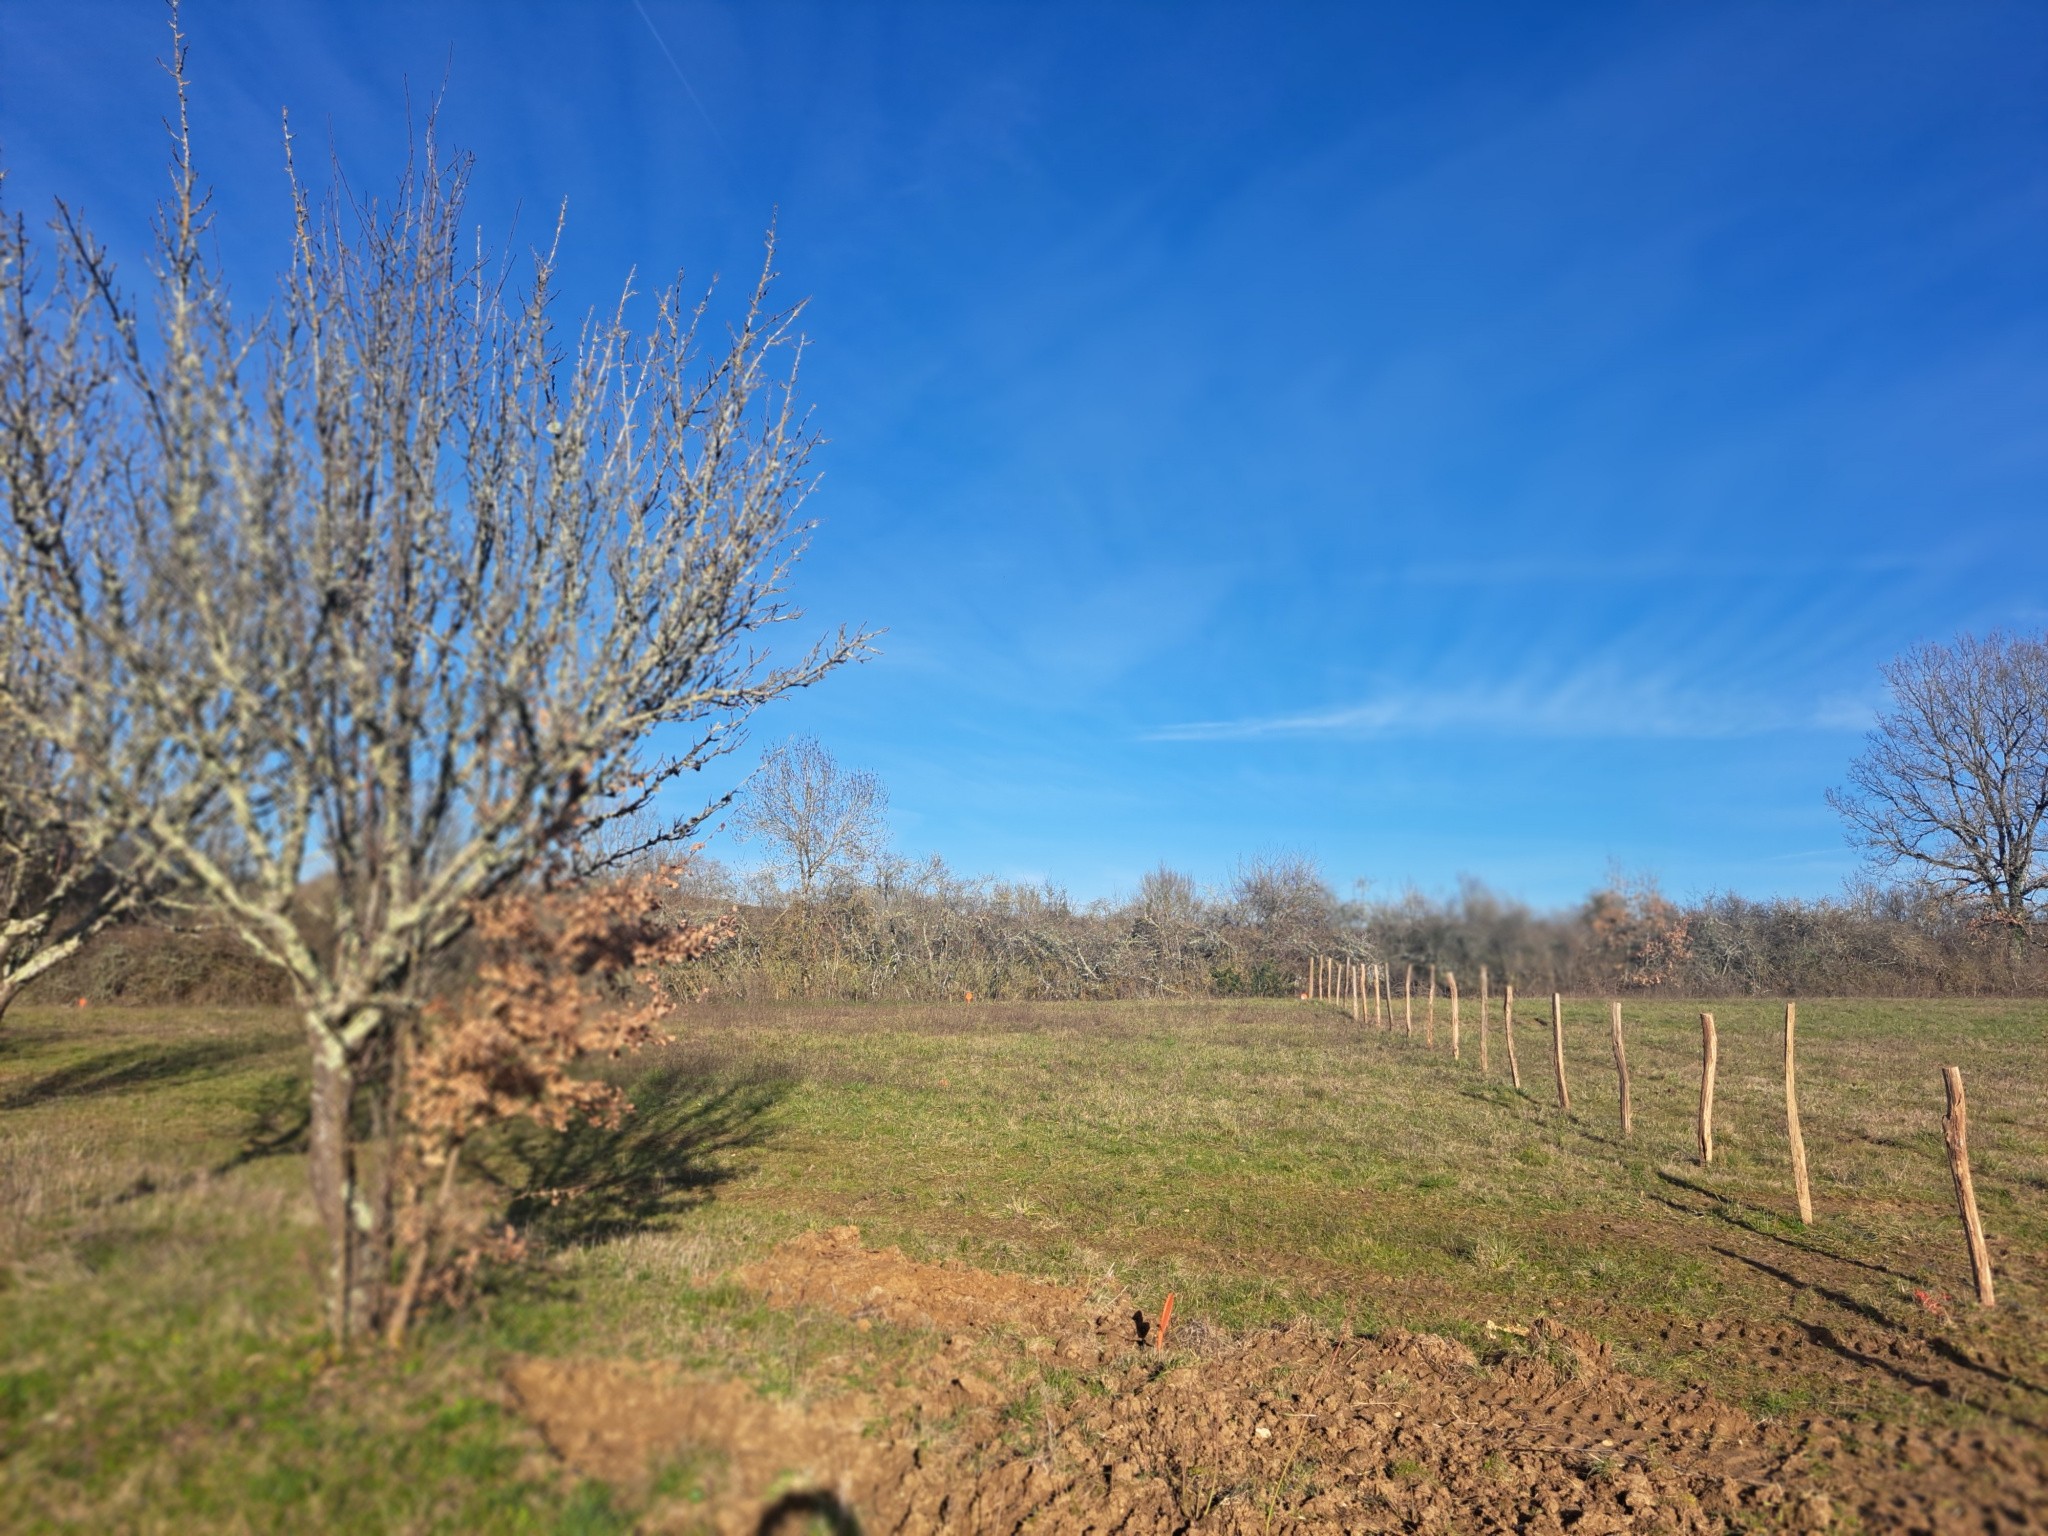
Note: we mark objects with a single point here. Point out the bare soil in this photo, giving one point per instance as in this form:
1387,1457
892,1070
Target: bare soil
1045,1407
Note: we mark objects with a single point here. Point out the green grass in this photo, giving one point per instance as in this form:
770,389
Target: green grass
161,1366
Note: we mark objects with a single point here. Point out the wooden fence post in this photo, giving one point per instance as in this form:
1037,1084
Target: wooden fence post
1452,978
1408,1000
1628,1113
1800,1186
1710,1056
1387,997
1429,1026
1485,1066
1564,1092
1955,1130
1507,1024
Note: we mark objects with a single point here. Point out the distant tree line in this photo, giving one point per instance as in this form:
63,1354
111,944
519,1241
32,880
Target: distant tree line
923,932
830,914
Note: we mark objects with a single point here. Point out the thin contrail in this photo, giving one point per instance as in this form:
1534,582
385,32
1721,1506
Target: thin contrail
662,43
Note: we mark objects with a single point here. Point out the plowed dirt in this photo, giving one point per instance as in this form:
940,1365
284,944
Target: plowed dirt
1040,1406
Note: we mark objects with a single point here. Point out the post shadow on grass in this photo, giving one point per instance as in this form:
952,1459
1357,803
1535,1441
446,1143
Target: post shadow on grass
1725,1208
589,1183
1868,1313
1842,1299
132,1066
1940,1386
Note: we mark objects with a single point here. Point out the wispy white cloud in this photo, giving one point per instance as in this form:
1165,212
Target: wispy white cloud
1846,711
1587,706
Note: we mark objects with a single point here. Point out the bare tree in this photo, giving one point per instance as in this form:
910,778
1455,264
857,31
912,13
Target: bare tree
817,819
400,581
1170,928
1283,903
66,871
1954,779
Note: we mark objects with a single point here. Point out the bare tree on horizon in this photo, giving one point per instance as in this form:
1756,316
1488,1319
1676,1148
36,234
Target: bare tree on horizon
1954,779
817,819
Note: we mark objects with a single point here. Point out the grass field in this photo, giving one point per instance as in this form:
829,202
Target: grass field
161,1367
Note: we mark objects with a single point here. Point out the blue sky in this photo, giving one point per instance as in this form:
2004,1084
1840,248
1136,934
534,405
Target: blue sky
1490,439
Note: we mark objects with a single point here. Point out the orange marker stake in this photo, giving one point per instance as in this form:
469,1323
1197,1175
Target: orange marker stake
1165,1317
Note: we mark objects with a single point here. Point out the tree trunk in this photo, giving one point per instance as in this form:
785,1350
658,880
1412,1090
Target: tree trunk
331,1163
352,1218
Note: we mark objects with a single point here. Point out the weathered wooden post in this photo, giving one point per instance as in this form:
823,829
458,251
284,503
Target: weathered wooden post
1955,1130
1628,1114
1564,1092
1429,1027
1408,1000
1485,1066
1507,1024
1452,978
1710,1056
1800,1187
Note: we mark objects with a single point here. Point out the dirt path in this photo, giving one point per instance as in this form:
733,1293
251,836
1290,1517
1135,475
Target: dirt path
1040,1407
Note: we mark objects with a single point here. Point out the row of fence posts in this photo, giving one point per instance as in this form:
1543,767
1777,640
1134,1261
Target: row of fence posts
1366,990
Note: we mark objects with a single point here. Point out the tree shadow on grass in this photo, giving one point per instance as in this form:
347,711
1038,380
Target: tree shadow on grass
590,1183
280,1113
132,1066
810,1509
